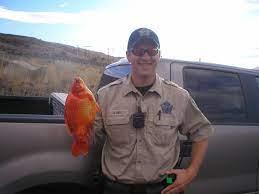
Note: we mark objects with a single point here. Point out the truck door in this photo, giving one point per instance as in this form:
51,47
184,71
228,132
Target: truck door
230,163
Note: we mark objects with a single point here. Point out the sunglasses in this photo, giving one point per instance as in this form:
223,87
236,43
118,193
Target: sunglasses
141,51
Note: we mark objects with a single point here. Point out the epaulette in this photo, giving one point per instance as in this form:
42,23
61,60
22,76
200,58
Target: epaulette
116,82
168,82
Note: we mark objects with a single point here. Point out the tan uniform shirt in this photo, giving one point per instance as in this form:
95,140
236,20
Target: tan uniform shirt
133,155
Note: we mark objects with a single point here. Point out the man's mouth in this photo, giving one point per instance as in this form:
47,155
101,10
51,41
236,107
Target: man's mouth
145,63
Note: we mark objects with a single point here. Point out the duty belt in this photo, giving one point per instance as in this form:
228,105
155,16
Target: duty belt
122,188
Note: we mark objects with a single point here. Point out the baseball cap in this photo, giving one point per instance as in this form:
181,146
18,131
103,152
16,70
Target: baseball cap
142,34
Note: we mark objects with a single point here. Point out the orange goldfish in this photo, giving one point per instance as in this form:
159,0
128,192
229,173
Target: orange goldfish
79,113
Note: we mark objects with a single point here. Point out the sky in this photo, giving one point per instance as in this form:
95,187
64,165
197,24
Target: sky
215,31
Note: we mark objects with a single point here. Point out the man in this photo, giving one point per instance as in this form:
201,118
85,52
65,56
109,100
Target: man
140,117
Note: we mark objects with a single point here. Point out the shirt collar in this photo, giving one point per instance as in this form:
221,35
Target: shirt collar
129,87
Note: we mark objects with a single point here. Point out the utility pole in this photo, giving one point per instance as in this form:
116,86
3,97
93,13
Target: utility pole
86,50
108,55
77,50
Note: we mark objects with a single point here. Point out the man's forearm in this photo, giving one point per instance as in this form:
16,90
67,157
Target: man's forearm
198,152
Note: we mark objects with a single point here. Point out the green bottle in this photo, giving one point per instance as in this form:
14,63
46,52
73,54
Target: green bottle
170,179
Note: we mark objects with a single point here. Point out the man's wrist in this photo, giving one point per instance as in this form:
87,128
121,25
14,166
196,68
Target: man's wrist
193,170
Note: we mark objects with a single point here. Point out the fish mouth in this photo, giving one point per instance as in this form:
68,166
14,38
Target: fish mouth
79,88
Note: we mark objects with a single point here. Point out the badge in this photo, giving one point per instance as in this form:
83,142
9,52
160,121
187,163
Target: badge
166,107
144,33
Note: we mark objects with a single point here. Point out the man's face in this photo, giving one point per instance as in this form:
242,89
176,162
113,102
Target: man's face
143,64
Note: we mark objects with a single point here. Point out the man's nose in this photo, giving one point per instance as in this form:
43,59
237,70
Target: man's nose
146,54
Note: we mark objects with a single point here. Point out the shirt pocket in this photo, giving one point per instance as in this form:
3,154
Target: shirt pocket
118,129
163,129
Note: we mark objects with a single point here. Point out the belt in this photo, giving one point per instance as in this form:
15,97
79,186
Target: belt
122,188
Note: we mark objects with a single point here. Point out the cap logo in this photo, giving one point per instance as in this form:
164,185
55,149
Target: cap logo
144,32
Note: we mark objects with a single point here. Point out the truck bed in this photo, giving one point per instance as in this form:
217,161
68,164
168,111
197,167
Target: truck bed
52,105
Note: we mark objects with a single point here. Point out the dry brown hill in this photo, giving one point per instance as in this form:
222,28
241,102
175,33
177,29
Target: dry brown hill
32,67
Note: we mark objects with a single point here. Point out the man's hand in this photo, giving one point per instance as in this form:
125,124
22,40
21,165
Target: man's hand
183,178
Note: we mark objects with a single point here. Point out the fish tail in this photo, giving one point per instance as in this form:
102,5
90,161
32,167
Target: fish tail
75,149
80,147
84,148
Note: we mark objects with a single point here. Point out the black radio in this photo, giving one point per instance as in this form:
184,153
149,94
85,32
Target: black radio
138,119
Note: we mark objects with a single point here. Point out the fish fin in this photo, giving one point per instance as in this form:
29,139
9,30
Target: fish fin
89,96
67,117
98,109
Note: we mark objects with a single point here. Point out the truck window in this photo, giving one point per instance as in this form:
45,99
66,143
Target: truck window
257,97
218,94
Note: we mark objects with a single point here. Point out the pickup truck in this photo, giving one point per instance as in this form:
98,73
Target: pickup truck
36,148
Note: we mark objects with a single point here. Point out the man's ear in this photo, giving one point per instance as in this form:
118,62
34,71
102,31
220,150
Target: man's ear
128,55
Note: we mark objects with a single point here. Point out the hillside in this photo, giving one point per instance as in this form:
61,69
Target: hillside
32,67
